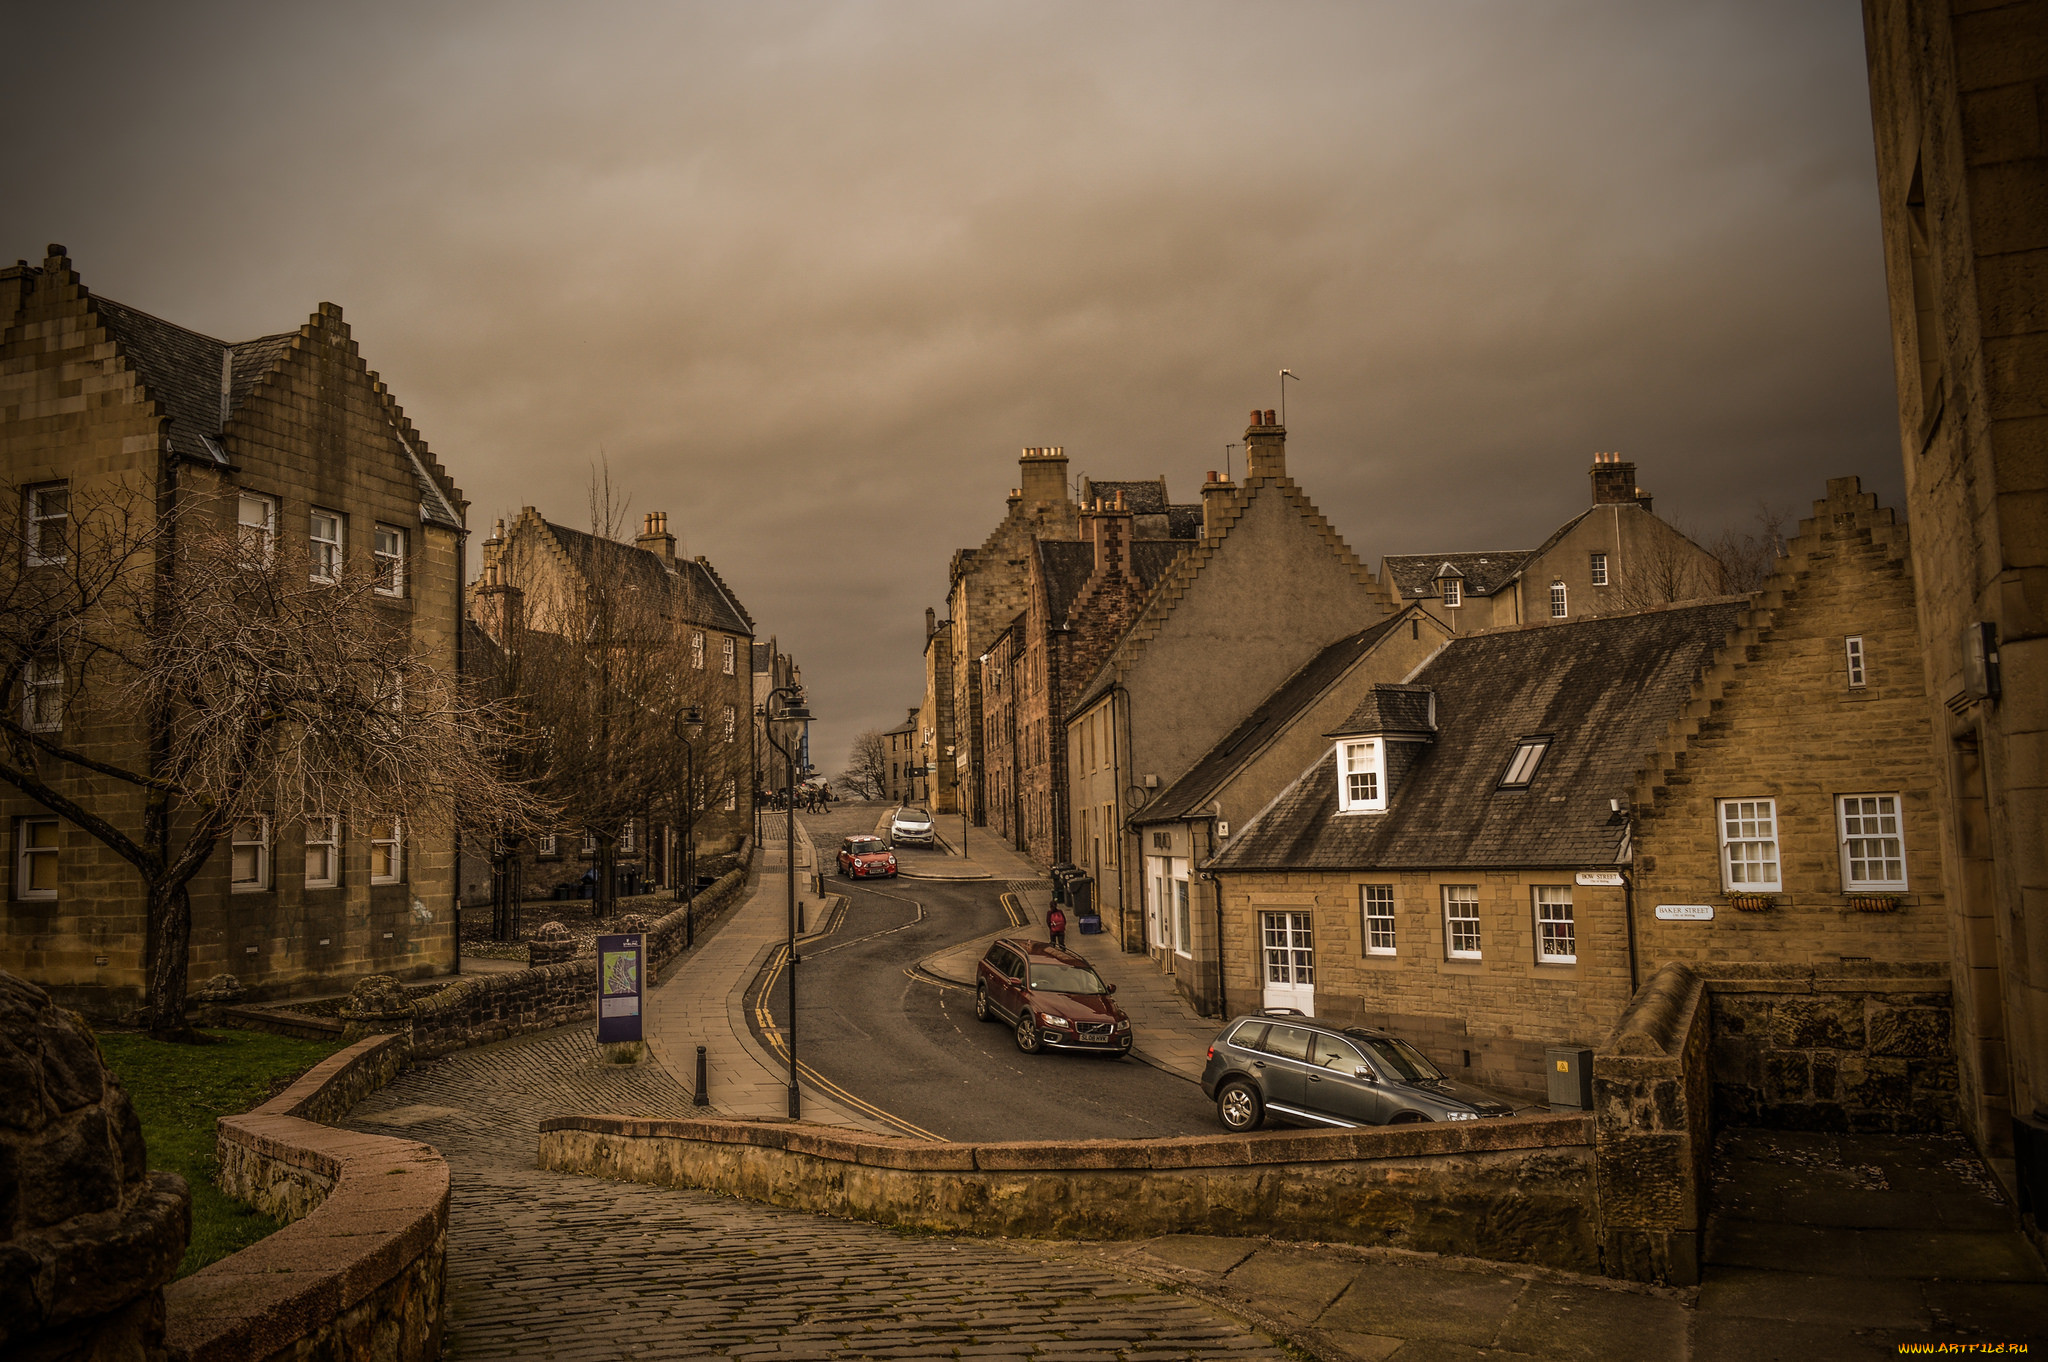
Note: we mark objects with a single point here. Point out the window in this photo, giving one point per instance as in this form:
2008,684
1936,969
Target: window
731,653
249,856
1853,647
1522,763
1461,921
35,858
1599,566
1557,600
1749,845
590,844
387,852
324,541
1556,935
390,561
1364,777
1453,592
697,650
1376,904
49,520
1183,917
1873,852
626,842
256,527
731,802
323,851
549,845
1289,949
42,695
731,722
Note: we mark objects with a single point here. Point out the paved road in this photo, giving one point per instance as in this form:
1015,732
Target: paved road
549,1265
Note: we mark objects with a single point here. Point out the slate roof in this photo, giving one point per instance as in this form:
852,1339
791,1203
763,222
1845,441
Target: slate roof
1184,522
1140,498
1065,564
705,599
1390,709
1604,689
1484,571
1196,789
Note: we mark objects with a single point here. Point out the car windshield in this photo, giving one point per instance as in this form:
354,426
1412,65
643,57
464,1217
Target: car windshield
913,816
1065,979
864,846
1405,1060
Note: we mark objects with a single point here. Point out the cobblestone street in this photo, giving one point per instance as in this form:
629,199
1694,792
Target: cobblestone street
542,1265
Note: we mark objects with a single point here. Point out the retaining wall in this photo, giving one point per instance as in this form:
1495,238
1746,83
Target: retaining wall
360,1269
1515,1190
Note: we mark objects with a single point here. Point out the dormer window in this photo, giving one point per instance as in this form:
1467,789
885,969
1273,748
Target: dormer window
1453,593
1523,761
1362,776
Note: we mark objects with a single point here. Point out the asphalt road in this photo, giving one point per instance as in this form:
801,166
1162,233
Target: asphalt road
914,1049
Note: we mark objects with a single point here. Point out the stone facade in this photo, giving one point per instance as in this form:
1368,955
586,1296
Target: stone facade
1002,675
107,401
899,750
1962,163
935,718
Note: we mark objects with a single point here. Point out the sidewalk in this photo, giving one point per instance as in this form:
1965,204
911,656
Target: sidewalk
702,1001
1168,1034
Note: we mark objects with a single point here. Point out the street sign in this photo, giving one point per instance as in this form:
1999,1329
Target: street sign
621,970
1608,878
1685,912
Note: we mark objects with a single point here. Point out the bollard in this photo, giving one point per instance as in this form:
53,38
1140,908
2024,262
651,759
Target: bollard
702,1100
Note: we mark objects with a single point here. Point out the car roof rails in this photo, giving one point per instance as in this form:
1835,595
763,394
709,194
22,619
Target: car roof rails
1281,1012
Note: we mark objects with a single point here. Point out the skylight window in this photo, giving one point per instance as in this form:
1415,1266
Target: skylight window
1522,765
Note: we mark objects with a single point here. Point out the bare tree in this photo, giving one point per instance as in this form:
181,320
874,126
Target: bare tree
246,681
1669,568
1746,557
867,766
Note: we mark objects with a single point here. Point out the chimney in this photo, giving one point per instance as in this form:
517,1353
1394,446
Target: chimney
1043,473
655,538
1265,447
931,622
1109,531
1216,495
1614,482
499,607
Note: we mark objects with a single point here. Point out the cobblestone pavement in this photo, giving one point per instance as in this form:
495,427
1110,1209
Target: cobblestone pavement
548,1265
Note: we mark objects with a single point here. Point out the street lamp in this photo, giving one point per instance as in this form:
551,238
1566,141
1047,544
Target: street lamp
691,722
792,713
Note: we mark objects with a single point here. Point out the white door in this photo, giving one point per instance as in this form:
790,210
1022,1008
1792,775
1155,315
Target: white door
1289,953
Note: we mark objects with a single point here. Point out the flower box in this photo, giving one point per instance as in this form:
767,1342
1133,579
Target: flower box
1752,903
1876,903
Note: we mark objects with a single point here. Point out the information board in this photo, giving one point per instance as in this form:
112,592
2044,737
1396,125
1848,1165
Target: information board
621,962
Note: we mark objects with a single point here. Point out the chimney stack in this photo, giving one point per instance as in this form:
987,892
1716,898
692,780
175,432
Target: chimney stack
655,538
931,622
1216,495
1043,474
499,607
1265,447
1108,529
1614,482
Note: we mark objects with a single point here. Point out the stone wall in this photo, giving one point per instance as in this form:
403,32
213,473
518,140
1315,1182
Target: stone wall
1515,1190
1853,1047
360,1270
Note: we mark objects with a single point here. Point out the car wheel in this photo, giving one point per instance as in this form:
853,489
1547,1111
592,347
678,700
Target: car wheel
1238,1106
1028,1039
982,1011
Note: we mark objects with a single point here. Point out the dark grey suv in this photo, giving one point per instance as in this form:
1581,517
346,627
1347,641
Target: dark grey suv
1298,1069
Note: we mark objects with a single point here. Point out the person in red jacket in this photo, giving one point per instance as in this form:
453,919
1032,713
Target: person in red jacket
1056,926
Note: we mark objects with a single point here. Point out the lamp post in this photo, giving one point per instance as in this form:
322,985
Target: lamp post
793,712
691,723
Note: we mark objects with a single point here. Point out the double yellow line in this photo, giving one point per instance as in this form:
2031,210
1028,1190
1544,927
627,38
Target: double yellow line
773,1033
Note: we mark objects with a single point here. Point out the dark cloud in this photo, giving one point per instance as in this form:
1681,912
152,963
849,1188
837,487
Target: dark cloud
807,276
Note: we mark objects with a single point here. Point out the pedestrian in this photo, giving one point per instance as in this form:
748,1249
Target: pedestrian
1056,926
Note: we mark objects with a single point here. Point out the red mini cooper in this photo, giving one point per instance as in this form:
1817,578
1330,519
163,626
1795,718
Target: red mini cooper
865,858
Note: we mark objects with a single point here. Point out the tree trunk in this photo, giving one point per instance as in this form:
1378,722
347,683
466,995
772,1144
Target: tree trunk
170,908
606,902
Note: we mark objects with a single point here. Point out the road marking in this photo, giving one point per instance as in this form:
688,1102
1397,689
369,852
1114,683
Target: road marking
1014,910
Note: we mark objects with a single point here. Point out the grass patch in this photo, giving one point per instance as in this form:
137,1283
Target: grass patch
179,1090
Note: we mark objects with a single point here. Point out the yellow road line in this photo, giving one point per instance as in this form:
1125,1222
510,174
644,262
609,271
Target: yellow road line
773,1034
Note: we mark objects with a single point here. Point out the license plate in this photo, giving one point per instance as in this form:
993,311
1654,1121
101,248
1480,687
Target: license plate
1095,1040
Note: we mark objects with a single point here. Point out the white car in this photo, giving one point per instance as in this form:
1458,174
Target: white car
913,826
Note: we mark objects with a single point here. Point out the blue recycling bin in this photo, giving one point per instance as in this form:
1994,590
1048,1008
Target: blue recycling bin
1091,925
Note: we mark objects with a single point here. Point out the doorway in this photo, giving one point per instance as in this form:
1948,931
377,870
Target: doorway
1289,956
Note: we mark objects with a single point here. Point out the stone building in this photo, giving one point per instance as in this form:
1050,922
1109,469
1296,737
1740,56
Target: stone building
1957,100
935,752
772,668
293,431
899,749
1193,818
1615,555
1270,586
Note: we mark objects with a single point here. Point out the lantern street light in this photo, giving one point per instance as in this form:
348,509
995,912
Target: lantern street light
792,713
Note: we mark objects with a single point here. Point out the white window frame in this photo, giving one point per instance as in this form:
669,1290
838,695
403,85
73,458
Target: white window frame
1857,663
1376,926
1748,834
1287,947
732,652
1180,907
1524,762
1462,896
1361,775
42,695
627,843
732,794
1598,564
697,650
1557,930
323,835
389,563
388,833
27,853
590,844
1559,601
1889,818
548,845
732,720
324,556
263,530
38,515
1454,595
252,835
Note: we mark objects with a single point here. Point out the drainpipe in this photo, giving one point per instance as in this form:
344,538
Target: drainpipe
461,624
1628,903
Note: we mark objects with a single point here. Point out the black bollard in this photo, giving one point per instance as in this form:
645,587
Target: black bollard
702,1099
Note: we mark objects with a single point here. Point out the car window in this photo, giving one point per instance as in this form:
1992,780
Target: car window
1249,1035
1288,1042
1065,979
1331,1053
1405,1060
1009,965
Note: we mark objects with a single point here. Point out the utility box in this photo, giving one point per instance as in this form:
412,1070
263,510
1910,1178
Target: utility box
1571,1079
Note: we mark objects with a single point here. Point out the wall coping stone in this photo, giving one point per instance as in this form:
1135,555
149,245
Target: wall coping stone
1850,976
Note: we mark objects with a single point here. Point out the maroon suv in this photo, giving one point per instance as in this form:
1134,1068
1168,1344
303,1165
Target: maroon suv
1051,996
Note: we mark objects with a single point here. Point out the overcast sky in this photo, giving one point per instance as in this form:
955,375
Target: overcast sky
809,275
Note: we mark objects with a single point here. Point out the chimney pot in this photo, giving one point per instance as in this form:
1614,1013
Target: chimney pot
1212,475
1269,417
1255,416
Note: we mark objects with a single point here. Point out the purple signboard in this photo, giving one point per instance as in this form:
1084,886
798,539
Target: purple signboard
621,968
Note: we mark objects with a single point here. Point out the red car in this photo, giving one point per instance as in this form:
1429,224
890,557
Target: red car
865,858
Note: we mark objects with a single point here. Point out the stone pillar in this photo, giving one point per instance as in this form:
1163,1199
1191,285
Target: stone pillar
1651,1096
88,1236
376,1006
